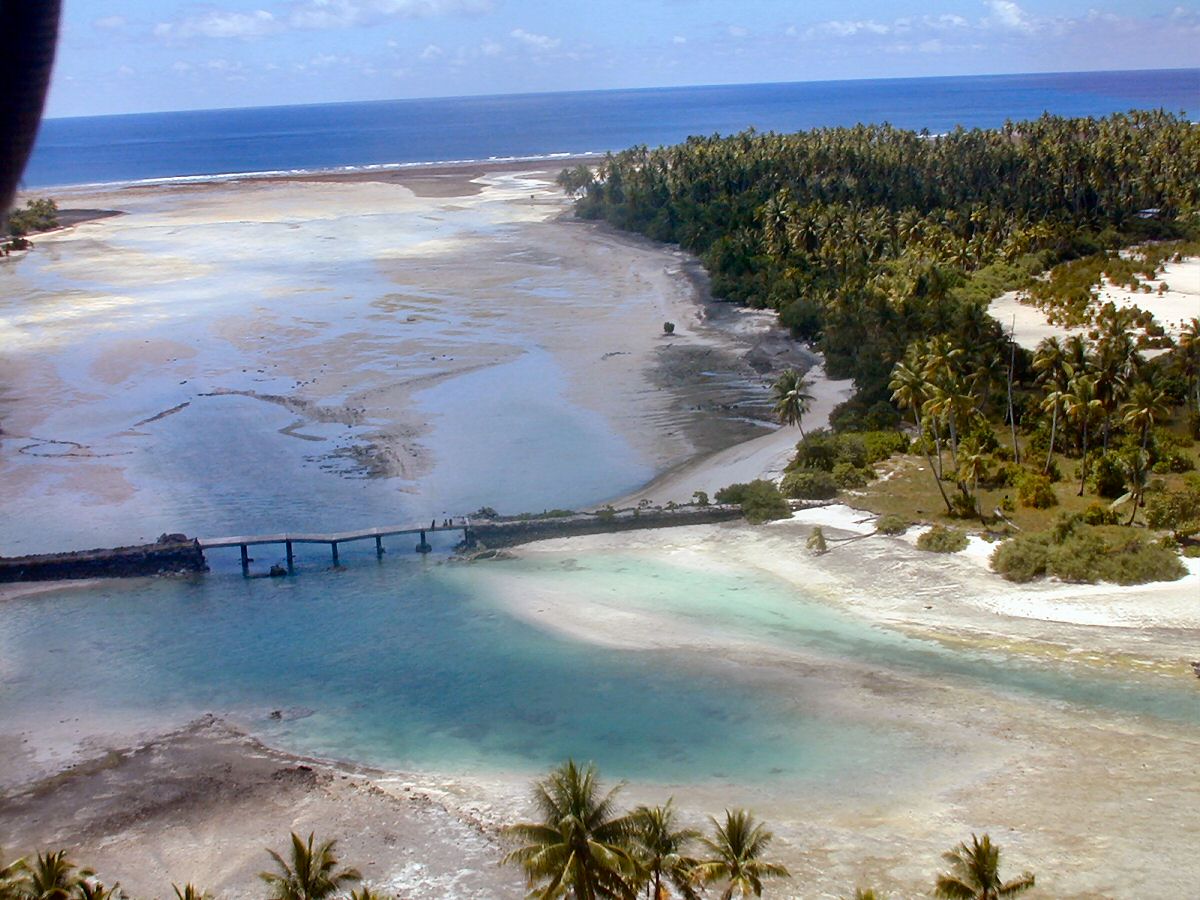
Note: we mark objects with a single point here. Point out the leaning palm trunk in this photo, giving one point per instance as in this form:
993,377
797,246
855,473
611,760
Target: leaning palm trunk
1053,433
935,469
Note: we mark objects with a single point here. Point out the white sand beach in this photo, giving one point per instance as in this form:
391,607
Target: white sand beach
1172,309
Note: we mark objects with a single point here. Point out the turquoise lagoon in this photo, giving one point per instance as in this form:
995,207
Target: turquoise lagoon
414,663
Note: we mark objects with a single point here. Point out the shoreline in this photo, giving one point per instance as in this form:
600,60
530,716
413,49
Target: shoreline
382,173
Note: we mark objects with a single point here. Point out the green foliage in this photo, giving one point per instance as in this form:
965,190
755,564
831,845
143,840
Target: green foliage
310,873
817,450
763,502
1035,491
975,873
1022,558
735,855
1175,511
816,540
881,445
809,484
1100,514
38,215
700,498
1075,551
579,843
849,476
868,238
890,523
760,500
606,513
1107,476
940,539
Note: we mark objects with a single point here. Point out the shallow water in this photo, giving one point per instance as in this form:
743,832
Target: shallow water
414,663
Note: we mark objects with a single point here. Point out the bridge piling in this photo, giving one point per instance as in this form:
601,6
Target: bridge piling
291,560
245,560
333,545
378,546
423,546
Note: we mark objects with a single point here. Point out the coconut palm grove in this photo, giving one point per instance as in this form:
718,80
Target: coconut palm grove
884,247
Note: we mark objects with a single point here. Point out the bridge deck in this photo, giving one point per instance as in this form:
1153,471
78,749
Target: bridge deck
339,537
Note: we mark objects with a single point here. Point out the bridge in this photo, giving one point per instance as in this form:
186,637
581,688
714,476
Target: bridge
334,540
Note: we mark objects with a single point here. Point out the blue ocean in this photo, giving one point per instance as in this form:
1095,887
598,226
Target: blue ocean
105,149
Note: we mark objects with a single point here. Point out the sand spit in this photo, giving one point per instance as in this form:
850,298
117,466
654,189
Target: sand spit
201,804
1172,309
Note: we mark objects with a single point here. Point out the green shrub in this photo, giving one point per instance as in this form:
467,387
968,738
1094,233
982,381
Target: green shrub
816,540
1074,551
1100,514
606,513
700,498
817,450
762,502
732,493
38,215
939,539
1175,511
1035,491
1107,476
808,484
1022,558
890,523
850,476
881,445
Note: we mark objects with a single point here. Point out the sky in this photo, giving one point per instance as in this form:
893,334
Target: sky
121,56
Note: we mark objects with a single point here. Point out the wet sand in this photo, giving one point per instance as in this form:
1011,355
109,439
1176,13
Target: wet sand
386,343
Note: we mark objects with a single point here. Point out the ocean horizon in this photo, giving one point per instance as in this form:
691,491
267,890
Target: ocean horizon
386,134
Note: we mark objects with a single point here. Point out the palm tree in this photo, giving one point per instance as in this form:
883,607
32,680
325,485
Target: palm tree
910,390
659,846
51,876
579,845
1054,370
737,847
790,392
94,889
365,893
975,873
1082,404
312,874
1144,407
190,892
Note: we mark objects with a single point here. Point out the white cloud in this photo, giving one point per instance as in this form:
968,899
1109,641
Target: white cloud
1008,14
679,39
308,15
737,31
848,28
221,24
433,51
109,23
326,14
537,41
180,66
491,48
125,71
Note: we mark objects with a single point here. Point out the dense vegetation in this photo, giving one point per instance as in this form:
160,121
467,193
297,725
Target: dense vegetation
868,238
885,246
37,215
582,847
